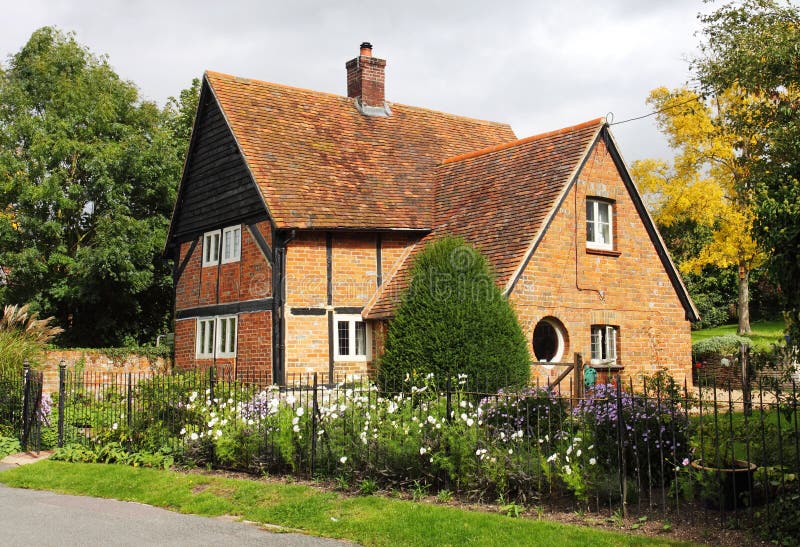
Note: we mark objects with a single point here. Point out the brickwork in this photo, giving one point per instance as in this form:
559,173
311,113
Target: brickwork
631,291
99,367
365,79
250,278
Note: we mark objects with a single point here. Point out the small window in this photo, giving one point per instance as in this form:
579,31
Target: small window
604,345
226,336
231,244
351,339
548,341
599,224
216,333
204,341
211,248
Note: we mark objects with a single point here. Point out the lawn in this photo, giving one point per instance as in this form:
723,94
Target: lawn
765,333
368,520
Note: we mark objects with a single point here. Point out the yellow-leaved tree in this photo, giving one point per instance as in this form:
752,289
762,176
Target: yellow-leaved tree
705,183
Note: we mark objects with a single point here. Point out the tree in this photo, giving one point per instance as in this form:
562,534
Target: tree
88,174
704,186
454,320
754,46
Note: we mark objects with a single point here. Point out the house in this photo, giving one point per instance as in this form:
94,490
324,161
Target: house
299,213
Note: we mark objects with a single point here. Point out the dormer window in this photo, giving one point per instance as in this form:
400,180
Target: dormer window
599,224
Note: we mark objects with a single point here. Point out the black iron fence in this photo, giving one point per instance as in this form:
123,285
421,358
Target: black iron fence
630,448
22,408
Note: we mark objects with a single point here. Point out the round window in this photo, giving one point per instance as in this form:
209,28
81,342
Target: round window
548,341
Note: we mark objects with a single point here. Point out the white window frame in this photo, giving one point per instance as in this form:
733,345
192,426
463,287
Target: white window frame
206,347
351,320
594,205
205,338
604,339
211,251
560,341
235,254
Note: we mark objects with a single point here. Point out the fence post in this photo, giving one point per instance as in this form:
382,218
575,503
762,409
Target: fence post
579,381
128,420
314,427
62,393
211,383
26,396
621,442
747,397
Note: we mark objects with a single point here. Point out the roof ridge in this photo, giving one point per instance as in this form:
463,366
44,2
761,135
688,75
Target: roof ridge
498,147
240,79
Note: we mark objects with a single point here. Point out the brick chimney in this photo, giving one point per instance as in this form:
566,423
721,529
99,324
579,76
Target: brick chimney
365,78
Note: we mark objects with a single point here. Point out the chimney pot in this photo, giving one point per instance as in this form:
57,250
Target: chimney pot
366,49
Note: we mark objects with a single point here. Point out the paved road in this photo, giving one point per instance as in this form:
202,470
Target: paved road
30,517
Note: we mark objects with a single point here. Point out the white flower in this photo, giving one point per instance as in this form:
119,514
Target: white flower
300,410
114,426
592,461
343,459
290,399
183,431
296,428
568,469
470,421
553,457
193,436
295,420
422,451
431,420
510,451
463,416
463,404
218,433
578,453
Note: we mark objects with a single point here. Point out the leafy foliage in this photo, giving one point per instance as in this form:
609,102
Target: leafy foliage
454,320
754,46
87,182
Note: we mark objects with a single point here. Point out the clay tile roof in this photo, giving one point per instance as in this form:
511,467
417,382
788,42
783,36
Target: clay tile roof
320,163
498,199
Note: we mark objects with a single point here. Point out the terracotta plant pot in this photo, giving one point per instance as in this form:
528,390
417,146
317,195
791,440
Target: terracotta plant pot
727,487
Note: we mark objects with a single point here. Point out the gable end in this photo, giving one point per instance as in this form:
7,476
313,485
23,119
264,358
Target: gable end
216,188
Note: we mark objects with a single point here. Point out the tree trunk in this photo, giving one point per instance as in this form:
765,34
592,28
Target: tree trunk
744,300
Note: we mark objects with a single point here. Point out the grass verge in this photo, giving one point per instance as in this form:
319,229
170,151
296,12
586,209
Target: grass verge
369,520
764,333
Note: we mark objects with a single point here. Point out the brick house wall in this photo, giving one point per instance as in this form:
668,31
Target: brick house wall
354,279
247,279
581,288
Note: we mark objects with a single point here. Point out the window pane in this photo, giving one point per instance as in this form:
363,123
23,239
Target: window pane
223,335
201,337
344,337
232,334
604,209
226,252
597,343
361,338
215,252
590,205
209,336
237,237
207,246
605,233
611,341
590,231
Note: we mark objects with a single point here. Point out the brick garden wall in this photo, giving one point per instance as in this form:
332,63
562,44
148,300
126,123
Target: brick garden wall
100,366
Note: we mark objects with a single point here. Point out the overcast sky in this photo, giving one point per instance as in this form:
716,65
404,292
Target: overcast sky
536,65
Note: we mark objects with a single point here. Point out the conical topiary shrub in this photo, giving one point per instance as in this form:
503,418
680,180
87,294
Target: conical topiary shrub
454,320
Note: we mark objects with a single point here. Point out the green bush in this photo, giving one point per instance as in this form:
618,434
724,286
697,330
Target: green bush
9,445
454,320
727,344
15,349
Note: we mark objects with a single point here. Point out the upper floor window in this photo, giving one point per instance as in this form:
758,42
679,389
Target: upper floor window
231,244
222,245
211,248
350,338
599,224
604,345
